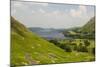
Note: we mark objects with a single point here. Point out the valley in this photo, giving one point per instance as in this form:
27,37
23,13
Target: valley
32,46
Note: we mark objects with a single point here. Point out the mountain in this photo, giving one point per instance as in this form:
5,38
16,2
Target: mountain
89,26
28,48
48,33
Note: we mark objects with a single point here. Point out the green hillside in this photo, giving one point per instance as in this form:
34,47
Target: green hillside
89,26
28,48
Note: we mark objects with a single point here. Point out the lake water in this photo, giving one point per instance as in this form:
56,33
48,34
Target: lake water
49,33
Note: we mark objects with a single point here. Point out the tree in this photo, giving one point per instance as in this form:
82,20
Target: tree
68,48
82,48
73,46
54,41
86,43
93,50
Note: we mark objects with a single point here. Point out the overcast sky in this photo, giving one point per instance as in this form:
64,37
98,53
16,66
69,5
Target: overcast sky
49,15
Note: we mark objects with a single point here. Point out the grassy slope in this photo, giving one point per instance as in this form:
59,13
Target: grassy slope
28,48
90,26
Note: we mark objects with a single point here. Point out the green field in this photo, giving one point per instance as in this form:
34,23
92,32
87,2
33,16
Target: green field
28,48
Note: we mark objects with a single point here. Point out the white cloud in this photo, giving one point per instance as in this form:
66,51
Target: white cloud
13,12
83,8
17,4
42,4
75,13
56,12
80,12
31,14
41,10
33,11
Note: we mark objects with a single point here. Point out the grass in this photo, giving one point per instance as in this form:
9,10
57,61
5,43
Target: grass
90,26
28,48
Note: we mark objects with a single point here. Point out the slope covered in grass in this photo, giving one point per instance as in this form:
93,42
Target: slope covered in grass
89,26
28,48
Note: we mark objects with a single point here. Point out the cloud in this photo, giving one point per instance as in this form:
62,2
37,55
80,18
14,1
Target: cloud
56,12
13,12
41,10
80,12
33,11
17,4
82,8
42,4
75,13
40,15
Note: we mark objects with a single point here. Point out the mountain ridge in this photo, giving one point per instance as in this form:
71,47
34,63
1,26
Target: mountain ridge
89,26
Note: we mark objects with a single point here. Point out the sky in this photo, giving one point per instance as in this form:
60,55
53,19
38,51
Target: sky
51,15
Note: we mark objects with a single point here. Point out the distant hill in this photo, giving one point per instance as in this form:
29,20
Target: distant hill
28,48
89,26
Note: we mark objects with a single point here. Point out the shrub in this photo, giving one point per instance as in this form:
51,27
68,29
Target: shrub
81,44
86,43
82,48
62,46
75,48
73,44
68,48
54,41
93,51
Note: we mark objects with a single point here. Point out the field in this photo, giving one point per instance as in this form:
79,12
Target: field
78,48
28,48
